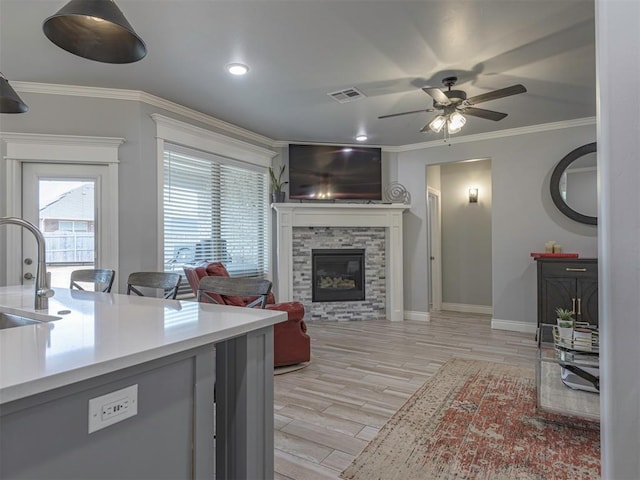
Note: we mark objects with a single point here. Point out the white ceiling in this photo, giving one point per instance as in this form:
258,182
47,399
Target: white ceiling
300,50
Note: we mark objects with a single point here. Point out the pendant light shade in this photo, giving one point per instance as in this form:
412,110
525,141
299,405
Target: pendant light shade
95,29
10,102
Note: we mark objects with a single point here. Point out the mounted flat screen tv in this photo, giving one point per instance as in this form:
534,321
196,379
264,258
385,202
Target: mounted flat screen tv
322,172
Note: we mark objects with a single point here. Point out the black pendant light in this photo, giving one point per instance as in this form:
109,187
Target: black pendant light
95,29
10,102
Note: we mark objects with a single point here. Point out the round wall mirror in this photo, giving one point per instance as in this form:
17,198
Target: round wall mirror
574,187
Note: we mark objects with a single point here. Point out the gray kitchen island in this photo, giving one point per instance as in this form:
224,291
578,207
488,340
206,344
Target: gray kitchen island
114,386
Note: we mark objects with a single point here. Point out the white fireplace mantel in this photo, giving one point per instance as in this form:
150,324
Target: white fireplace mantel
389,216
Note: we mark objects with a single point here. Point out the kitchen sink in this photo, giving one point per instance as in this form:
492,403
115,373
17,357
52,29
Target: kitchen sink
19,319
9,320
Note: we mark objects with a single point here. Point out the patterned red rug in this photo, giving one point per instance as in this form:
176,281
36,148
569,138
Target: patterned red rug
477,420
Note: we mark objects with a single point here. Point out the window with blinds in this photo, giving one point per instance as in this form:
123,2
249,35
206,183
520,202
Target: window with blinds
215,210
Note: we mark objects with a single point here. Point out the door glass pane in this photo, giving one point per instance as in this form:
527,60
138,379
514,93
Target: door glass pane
67,220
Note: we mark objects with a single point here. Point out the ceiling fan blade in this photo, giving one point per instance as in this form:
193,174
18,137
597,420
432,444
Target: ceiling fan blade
406,113
482,113
503,92
426,128
438,95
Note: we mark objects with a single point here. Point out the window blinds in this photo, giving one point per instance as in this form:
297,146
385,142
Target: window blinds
215,210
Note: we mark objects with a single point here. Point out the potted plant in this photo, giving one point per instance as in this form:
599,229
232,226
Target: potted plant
565,323
277,195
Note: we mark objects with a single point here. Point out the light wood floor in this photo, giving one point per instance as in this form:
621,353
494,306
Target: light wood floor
361,373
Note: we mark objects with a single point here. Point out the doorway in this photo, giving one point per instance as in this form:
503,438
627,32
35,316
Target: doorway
434,250
459,225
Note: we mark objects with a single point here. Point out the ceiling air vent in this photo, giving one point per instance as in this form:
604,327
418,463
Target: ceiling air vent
347,95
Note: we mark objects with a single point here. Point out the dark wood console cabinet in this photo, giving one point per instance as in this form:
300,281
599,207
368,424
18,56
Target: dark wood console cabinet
568,283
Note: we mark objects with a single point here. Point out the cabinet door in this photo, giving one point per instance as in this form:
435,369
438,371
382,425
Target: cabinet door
557,292
588,295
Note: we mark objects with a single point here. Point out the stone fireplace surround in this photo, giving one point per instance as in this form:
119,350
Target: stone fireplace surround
387,216
369,239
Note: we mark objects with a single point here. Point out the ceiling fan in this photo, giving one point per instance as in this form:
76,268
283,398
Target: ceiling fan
454,103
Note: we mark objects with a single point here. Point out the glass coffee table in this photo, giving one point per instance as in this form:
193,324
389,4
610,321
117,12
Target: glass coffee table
567,373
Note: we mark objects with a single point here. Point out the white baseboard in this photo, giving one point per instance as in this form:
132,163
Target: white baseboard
417,316
468,308
524,327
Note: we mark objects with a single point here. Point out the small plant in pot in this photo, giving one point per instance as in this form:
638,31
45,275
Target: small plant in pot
277,195
565,317
565,323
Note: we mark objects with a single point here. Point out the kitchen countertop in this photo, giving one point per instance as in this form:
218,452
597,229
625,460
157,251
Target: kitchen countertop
98,333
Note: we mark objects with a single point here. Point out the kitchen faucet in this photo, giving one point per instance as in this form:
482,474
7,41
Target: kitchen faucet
43,292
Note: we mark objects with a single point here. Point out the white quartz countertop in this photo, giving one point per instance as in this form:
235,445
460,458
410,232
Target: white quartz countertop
98,333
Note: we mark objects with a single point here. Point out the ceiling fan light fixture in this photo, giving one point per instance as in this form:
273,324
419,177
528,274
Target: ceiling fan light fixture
455,122
437,123
454,103
97,30
10,102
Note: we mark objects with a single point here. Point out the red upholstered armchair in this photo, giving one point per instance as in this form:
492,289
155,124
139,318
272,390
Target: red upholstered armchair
291,344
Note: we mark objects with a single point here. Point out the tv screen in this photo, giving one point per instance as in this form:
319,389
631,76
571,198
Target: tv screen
321,172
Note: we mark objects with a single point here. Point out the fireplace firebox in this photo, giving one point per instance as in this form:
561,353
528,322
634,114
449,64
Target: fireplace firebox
338,275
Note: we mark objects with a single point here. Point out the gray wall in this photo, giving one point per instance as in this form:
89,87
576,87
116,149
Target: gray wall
433,177
69,115
466,233
618,55
137,176
523,215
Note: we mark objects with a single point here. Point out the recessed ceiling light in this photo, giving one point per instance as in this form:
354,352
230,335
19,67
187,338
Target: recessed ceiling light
237,69
362,138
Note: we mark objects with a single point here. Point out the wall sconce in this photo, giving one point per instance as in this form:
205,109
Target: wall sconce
473,195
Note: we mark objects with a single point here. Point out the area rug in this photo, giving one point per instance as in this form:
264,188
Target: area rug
478,420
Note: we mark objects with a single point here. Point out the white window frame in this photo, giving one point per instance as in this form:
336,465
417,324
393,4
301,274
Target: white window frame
179,133
43,148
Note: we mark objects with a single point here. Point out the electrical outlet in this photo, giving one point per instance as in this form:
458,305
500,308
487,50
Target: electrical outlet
113,408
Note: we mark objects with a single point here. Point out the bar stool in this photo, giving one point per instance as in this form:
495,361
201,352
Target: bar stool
168,282
102,279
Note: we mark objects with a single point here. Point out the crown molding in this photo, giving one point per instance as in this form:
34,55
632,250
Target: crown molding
544,127
286,143
77,90
140,96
